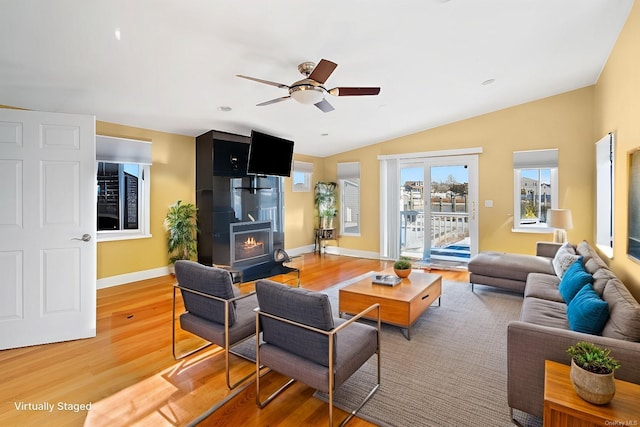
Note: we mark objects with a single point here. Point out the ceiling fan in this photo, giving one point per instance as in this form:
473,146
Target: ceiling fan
310,90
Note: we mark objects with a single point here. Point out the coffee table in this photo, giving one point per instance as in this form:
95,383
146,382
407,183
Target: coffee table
400,305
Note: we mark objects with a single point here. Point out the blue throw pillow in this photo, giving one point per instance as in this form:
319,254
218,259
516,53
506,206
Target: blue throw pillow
573,280
587,312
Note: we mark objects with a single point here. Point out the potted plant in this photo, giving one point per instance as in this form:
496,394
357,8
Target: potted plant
182,230
592,371
325,200
402,267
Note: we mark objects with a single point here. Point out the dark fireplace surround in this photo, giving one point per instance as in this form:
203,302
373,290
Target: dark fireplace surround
240,217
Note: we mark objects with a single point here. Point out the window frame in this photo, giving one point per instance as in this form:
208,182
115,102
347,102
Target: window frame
123,151
306,170
143,230
347,179
517,218
605,202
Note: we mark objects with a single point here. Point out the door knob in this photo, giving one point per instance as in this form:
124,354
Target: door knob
85,237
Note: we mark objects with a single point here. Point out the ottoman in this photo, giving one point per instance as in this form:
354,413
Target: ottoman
505,270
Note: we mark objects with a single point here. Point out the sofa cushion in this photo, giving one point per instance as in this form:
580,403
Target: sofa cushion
565,256
573,280
545,313
587,312
624,312
543,286
508,266
600,279
589,253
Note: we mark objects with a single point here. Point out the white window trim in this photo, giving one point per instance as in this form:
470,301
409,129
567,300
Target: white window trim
122,150
532,228
144,232
605,158
347,172
306,169
343,203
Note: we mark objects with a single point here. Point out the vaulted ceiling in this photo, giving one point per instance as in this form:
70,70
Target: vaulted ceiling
171,65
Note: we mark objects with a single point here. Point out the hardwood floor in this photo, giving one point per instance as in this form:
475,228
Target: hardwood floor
126,375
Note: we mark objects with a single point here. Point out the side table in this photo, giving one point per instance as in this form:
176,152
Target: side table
563,406
323,234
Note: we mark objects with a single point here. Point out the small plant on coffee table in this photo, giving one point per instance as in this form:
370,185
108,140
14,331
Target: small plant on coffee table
402,267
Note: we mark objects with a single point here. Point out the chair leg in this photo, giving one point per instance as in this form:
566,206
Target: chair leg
262,403
228,374
202,347
173,335
366,399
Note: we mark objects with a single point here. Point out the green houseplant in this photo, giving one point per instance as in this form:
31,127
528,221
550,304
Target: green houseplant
325,200
592,370
182,230
402,267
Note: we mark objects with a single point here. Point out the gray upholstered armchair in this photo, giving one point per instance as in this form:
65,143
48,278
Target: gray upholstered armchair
302,340
213,310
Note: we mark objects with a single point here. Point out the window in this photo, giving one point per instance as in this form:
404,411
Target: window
301,176
123,180
349,184
604,194
536,188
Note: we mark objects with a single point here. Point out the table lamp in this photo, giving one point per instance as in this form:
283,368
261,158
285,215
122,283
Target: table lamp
560,219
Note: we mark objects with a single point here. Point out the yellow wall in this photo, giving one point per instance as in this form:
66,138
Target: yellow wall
563,121
299,208
617,101
172,179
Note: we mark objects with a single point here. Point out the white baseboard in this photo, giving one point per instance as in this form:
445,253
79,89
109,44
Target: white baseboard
122,279
300,250
336,250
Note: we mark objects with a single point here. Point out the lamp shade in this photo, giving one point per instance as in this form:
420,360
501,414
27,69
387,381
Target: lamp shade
559,218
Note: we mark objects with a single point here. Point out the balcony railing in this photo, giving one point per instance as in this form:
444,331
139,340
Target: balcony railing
445,228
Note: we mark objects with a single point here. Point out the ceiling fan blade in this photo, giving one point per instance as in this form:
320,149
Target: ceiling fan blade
322,71
267,82
324,106
354,91
273,101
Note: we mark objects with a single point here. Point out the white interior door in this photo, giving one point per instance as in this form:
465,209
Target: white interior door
47,228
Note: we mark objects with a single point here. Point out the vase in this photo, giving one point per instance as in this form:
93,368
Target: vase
402,273
598,389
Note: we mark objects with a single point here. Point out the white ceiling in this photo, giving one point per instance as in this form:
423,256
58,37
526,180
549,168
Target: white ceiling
175,63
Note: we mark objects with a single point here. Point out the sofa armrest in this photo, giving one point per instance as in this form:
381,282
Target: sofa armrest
547,249
529,345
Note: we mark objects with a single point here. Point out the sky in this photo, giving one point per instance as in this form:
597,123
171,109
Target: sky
438,174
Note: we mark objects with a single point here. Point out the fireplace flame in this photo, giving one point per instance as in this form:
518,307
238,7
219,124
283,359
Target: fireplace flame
251,243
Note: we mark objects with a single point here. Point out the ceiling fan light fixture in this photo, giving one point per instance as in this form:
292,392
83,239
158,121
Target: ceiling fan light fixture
307,94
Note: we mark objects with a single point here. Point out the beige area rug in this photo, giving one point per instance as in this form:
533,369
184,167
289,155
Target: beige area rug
452,372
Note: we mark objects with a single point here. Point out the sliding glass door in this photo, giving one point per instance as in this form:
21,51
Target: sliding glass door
438,210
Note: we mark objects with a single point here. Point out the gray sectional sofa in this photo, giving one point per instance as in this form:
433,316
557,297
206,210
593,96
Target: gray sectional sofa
545,330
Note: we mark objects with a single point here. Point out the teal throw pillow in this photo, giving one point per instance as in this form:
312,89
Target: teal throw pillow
573,280
587,312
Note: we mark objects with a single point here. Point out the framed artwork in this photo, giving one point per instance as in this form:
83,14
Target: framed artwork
633,248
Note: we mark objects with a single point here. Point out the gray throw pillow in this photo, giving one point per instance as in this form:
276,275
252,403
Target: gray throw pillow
565,256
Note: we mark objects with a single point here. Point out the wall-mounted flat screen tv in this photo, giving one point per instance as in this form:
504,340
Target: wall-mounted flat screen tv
269,155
